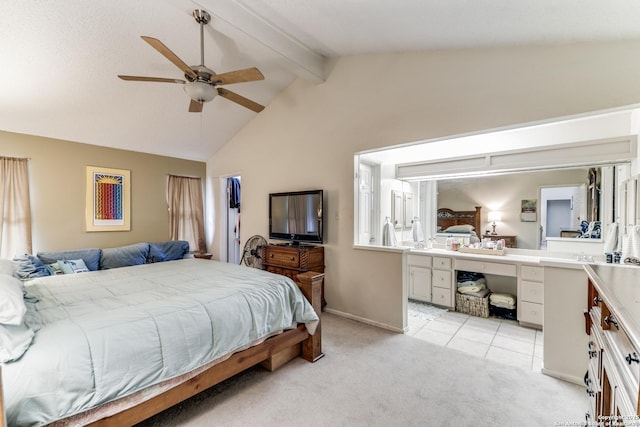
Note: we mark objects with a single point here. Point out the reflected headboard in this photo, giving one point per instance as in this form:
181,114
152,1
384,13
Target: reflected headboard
447,218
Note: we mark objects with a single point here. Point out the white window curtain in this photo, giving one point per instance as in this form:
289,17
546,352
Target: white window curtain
15,208
186,211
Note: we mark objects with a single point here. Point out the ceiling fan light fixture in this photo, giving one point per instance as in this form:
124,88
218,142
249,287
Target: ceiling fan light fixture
200,91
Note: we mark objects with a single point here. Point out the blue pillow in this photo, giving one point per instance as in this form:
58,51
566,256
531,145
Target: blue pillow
168,251
91,257
124,256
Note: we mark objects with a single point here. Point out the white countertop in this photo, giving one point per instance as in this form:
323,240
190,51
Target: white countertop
619,287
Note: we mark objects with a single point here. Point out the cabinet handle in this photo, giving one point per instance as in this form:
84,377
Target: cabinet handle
611,320
270,255
591,344
593,353
596,300
292,258
632,358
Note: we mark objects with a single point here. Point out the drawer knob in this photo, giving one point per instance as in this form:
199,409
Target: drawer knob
593,353
596,300
611,320
632,357
292,258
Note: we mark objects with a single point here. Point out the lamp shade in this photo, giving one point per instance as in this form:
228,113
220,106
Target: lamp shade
200,91
495,216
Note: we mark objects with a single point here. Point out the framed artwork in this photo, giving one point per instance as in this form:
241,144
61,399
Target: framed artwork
528,210
108,203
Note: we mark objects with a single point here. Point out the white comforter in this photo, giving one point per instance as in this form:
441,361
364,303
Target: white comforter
106,334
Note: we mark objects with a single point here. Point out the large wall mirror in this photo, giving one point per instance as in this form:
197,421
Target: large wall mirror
547,188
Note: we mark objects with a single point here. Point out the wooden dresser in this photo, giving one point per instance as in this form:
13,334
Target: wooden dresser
509,241
613,326
291,260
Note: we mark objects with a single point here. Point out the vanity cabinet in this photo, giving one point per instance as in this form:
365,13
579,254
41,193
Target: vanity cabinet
613,374
431,279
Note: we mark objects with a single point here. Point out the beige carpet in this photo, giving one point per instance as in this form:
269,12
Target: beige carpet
372,377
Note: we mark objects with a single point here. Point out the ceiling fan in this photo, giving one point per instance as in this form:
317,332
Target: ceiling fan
201,82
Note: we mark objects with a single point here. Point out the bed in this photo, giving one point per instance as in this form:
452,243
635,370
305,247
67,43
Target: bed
458,224
139,339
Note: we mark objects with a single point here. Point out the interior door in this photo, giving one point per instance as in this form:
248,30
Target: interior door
366,204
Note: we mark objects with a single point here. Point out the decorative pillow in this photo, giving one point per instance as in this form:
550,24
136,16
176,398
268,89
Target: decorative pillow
91,257
55,268
14,341
12,308
168,251
463,228
71,266
124,256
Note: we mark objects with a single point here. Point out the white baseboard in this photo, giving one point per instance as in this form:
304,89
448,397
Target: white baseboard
564,377
364,320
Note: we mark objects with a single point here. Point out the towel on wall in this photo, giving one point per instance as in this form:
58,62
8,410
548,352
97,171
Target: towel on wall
631,246
416,230
389,235
611,242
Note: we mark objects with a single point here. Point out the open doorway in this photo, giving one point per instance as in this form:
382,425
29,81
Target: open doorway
233,219
561,210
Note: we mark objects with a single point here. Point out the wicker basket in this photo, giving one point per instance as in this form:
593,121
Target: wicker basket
474,306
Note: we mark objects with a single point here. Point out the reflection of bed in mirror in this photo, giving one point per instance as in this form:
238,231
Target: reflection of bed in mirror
463,225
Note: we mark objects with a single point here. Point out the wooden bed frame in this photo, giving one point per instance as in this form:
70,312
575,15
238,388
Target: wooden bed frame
272,354
447,218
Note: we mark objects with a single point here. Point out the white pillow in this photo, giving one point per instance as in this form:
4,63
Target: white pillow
8,267
12,308
462,228
14,341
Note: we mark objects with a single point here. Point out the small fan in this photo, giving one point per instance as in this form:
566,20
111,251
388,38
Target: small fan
252,254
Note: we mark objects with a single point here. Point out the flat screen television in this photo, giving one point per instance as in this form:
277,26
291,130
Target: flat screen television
296,217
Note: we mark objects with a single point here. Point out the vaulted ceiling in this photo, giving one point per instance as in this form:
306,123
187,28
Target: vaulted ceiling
60,59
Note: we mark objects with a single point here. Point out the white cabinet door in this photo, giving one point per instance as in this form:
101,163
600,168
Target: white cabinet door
420,283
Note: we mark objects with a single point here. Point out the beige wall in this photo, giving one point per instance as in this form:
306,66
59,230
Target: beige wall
57,182
306,138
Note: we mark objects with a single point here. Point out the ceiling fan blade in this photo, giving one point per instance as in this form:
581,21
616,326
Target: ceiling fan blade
241,100
150,79
239,76
167,53
195,106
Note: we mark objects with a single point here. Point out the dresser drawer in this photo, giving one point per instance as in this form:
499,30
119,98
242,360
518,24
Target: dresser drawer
486,267
441,296
532,291
442,279
533,274
419,260
442,263
283,257
531,313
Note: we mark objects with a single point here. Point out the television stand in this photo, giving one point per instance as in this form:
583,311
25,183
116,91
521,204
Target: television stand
291,260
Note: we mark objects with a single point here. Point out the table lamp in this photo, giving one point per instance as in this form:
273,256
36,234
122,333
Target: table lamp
493,217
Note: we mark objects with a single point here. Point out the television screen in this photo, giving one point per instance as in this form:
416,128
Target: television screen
296,216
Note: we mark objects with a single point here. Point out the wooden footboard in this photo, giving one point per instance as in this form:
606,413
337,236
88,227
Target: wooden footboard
273,353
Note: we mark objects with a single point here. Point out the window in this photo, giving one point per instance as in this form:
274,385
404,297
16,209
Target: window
15,208
186,211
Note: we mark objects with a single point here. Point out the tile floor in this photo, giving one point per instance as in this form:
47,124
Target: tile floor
496,339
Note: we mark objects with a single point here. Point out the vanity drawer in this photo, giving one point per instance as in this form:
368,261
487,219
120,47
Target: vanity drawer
486,267
532,292
442,263
441,296
534,274
441,279
531,313
419,260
